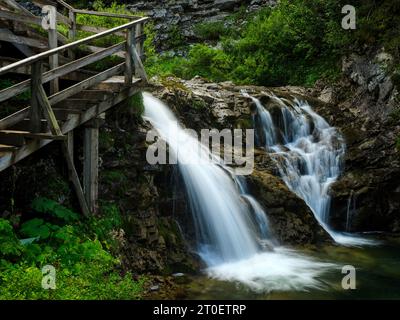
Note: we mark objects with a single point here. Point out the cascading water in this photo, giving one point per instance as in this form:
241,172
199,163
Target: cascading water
231,226
308,153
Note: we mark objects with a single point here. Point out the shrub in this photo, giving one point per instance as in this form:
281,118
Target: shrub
84,267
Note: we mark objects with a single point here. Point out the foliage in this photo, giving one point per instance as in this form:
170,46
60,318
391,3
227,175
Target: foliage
297,42
211,30
85,269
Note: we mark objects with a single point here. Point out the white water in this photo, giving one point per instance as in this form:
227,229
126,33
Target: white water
231,226
308,153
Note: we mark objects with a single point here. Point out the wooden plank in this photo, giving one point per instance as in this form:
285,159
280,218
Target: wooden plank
8,36
59,72
20,17
75,180
53,41
140,71
48,111
72,31
115,84
77,104
35,113
27,134
85,84
70,143
56,130
91,166
129,56
69,125
5,147
92,95
68,110
96,49
14,118
77,43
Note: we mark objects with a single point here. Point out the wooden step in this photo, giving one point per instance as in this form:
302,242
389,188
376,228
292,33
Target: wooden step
7,148
92,95
75,104
115,84
27,134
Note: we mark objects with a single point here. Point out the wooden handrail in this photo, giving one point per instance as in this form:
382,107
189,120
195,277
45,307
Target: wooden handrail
66,5
74,44
20,87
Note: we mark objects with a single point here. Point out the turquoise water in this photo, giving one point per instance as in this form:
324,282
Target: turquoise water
377,276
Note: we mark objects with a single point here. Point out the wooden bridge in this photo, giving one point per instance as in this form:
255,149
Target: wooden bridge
63,93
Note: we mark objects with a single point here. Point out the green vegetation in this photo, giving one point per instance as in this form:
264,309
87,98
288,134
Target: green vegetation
79,249
297,43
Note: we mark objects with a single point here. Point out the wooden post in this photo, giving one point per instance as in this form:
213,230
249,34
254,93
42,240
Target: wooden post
72,32
91,164
129,54
55,130
53,60
70,143
36,81
139,43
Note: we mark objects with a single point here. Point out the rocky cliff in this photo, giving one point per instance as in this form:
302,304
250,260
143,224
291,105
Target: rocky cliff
178,18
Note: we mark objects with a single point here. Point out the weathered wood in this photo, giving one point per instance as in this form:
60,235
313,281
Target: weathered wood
70,143
36,81
75,179
56,130
5,147
53,41
73,122
85,84
77,43
129,56
115,84
96,49
26,51
72,31
20,17
60,71
139,67
48,111
67,111
92,95
28,134
14,118
8,36
91,166
139,44
77,104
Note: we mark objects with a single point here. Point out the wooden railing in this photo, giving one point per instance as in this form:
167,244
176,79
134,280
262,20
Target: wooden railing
42,103
132,65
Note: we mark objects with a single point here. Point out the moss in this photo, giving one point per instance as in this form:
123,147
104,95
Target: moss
173,83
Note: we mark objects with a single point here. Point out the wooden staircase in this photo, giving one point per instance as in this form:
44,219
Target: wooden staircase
54,114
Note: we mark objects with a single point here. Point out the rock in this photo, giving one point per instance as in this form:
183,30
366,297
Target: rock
185,15
155,288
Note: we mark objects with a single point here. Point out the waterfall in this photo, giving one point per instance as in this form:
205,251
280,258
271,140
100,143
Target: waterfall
308,153
232,230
